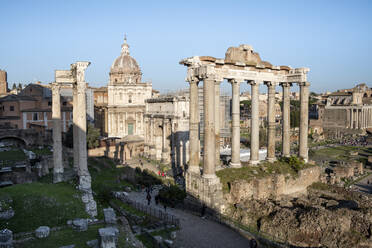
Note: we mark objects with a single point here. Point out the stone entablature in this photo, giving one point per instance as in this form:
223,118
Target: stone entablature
241,64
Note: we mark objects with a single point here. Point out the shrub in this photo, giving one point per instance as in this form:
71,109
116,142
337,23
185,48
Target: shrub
171,196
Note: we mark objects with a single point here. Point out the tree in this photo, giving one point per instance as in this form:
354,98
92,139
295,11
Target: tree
19,86
92,136
14,86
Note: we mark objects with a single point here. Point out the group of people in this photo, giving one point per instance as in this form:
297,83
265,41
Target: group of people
149,190
361,141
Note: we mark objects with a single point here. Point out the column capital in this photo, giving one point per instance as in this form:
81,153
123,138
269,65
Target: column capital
192,80
253,82
55,88
285,84
236,81
306,84
270,83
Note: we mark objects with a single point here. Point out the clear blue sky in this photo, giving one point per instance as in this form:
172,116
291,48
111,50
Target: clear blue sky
333,38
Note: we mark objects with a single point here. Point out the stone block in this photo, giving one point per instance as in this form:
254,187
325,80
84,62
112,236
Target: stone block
158,239
80,225
6,238
93,243
110,216
6,215
67,246
108,237
168,243
173,235
42,232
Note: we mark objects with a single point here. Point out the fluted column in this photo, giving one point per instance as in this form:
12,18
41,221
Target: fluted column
286,147
255,128
217,120
271,121
57,135
235,124
209,133
75,128
194,127
304,118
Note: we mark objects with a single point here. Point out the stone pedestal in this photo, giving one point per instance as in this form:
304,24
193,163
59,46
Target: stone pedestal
6,238
207,189
108,237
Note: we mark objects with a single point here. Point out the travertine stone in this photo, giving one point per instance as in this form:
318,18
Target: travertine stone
42,232
209,133
110,216
271,121
57,135
235,125
286,120
194,126
164,147
108,237
255,128
304,118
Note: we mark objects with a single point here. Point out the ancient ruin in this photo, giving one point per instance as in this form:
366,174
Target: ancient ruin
75,78
241,64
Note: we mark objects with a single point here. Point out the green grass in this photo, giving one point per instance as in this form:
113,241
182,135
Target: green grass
13,155
128,208
341,153
264,169
38,204
146,241
43,151
65,237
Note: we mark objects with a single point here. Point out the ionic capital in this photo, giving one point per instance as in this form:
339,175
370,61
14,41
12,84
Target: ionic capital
193,80
55,88
253,82
236,81
80,70
285,84
270,84
304,84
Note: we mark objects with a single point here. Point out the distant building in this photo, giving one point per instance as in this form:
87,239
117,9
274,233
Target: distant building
347,111
3,83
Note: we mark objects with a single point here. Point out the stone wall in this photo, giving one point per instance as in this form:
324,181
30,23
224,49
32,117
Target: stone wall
273,186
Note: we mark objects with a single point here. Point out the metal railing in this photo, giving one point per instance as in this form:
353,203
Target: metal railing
154,212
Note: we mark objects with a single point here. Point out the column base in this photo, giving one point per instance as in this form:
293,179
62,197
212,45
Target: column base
209,176
271,160
254,162
286,155
57,177
235,165
194,169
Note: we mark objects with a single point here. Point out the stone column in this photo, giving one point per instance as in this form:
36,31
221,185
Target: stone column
75,128
164,149
235,124
209,133
194,126
217,120
304,118
286,136
271,121
57,135
356,116
255,128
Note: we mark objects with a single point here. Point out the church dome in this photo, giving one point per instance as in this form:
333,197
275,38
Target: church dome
127,66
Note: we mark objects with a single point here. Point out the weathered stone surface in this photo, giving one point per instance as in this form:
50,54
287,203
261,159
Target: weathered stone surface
93,243
168,243
110,216
108,237
158,239
6,238
6,215
80,225
67,246
42,232
173,235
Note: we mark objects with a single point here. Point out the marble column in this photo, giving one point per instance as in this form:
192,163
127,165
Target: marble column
356,116
75,128
304,118
209,158
217,120
286,110
235,124
194,127
57,135
255,128
270,121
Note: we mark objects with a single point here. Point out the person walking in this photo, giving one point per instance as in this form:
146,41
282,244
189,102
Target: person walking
148,199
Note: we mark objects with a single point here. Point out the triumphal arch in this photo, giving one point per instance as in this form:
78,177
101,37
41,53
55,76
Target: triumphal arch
240,65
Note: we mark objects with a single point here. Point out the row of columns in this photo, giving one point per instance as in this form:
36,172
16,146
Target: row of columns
359,118
211,92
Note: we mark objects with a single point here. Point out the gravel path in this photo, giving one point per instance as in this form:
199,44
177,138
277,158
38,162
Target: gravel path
363,185
197,232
